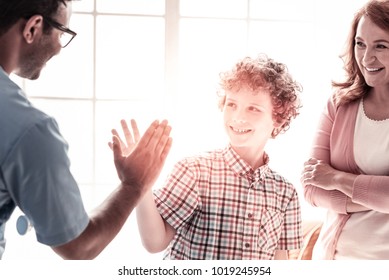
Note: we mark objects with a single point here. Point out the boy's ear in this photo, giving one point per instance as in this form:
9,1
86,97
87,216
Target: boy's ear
220,103
278,124
33,29
277,128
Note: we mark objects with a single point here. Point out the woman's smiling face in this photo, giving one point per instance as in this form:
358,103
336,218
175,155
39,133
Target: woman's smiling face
372,53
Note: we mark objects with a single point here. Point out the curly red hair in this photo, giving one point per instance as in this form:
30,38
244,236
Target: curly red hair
265,73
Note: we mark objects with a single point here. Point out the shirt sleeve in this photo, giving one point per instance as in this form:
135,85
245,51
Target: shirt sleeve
179,198
372,192
37,172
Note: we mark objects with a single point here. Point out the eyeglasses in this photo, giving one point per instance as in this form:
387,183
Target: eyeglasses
67,36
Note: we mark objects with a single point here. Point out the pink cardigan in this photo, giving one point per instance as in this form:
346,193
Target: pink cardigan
333,144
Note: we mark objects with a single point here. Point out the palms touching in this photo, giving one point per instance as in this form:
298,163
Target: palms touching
139,160
131,140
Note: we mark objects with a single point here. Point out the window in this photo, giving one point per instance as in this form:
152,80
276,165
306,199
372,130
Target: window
161,59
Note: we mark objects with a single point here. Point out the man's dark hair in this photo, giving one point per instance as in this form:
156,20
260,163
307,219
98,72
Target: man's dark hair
13,10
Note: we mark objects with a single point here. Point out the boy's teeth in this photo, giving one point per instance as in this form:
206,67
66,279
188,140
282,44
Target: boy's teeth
239,130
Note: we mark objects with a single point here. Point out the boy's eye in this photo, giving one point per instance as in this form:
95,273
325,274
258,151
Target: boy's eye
254,109
230,104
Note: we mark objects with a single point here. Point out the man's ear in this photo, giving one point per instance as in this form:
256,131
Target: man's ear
33,28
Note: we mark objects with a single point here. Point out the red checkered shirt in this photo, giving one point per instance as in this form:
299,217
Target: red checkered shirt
223,209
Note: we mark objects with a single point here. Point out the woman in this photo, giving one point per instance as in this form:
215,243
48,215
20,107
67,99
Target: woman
349,167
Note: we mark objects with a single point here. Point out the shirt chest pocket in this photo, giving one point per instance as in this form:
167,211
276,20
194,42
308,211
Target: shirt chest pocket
270,230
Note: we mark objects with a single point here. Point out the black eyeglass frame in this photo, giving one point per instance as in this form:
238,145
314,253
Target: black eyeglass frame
61,27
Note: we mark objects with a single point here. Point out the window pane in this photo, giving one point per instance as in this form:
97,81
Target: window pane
214,8
207,47
69,74
301,10
130,57
74,119
292,42
83,6
151,7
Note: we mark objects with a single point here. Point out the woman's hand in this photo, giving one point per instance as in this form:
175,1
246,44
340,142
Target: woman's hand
322,175
319,174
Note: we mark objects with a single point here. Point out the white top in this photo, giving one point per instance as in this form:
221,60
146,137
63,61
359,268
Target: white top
365,235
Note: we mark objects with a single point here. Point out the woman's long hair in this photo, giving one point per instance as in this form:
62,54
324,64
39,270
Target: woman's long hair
355,86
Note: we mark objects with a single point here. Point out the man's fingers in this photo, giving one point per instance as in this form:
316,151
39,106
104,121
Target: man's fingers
127,133
135,130
117,150
115,133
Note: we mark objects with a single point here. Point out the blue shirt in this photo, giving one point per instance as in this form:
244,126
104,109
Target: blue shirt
34,171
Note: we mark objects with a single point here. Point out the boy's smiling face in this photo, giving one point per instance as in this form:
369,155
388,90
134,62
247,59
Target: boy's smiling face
248,119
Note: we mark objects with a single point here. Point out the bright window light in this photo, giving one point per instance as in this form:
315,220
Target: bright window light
159,59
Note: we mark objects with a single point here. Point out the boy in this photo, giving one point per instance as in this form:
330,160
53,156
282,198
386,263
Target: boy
228,204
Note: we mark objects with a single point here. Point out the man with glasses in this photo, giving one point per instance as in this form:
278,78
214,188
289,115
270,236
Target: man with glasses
34,166
66,36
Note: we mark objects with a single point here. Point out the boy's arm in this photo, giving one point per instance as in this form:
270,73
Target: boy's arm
281,255
155,232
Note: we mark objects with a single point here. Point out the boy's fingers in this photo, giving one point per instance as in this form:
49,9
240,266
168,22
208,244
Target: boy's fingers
163,140
160,131
166,149
148,135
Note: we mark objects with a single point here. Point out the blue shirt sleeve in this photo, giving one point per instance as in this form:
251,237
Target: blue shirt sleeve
37,172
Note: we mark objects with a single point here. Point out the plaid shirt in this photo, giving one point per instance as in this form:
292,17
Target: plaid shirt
222,209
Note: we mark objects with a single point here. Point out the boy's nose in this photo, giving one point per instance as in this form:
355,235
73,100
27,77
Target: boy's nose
239,120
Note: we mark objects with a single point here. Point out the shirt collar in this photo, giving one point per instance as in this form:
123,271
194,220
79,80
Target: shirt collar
241,168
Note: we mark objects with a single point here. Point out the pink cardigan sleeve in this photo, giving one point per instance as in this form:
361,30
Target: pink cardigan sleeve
333,143
372,192
333,200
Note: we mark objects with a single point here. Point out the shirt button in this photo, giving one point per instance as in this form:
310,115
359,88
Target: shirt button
247,245
250,216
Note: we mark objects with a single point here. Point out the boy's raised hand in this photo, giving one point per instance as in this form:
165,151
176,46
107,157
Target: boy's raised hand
139,161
